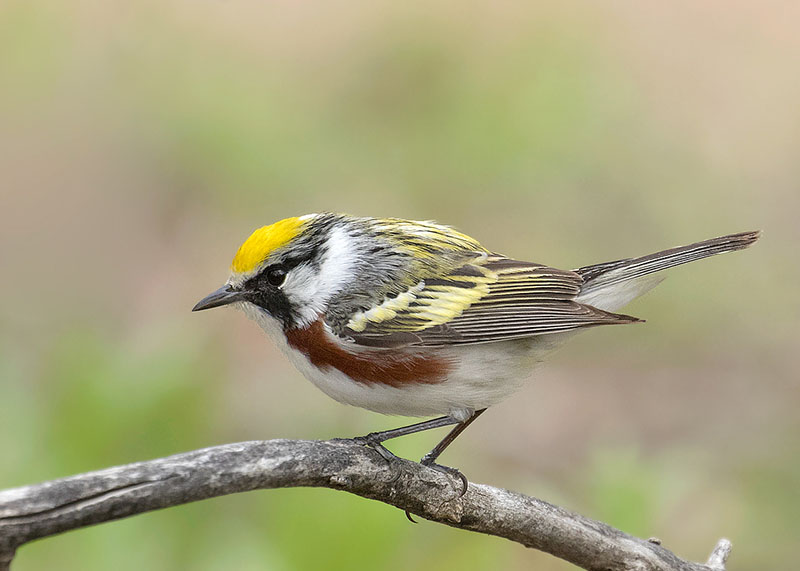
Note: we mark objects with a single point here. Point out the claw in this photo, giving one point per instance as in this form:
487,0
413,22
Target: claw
375,441
450,472
371,441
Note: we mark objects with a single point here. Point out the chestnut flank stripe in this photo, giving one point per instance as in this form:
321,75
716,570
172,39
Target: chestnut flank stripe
393,367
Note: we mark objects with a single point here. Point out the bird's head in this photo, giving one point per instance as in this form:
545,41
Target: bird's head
289,269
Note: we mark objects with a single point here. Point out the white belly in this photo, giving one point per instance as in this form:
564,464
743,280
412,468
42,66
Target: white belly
484,374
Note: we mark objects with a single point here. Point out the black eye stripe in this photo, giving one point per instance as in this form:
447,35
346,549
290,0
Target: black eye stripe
291,263
270,276
273,275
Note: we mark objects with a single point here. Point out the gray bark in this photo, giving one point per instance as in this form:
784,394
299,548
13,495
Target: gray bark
52,507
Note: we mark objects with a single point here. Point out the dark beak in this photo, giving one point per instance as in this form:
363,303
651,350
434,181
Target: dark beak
223,296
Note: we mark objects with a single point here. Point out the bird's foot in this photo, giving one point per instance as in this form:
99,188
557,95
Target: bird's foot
373,440
454,472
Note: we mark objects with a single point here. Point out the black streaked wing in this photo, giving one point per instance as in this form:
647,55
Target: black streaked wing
490,300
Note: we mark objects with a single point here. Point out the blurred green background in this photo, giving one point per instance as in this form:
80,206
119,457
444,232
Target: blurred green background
141,142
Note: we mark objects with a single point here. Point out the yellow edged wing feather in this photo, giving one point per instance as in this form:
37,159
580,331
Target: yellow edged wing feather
492,298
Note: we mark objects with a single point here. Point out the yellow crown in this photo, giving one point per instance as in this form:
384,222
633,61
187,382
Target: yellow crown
264,241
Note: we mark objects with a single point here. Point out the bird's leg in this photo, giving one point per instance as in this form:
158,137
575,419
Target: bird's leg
376,439
430,458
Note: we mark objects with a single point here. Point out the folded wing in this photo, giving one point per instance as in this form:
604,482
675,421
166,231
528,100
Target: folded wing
491,299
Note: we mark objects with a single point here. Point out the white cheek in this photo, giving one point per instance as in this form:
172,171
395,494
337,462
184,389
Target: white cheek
336,269
309,290
302,290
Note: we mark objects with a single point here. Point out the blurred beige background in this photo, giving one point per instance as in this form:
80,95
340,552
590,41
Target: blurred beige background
141,142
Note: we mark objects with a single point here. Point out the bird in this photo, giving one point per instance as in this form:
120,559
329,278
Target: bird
415,318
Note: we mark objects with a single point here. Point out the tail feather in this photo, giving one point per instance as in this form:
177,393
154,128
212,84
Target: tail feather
611,285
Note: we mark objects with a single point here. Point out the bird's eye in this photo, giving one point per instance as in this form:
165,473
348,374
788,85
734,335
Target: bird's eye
276,275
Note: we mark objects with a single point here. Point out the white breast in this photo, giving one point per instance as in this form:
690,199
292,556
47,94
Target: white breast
484,375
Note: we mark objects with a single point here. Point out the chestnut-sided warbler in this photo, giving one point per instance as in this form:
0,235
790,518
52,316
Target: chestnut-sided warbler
417,319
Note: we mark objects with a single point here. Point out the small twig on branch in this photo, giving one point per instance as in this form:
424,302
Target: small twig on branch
49,508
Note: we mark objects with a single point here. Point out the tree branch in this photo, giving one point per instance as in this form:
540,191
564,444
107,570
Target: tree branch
52,507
